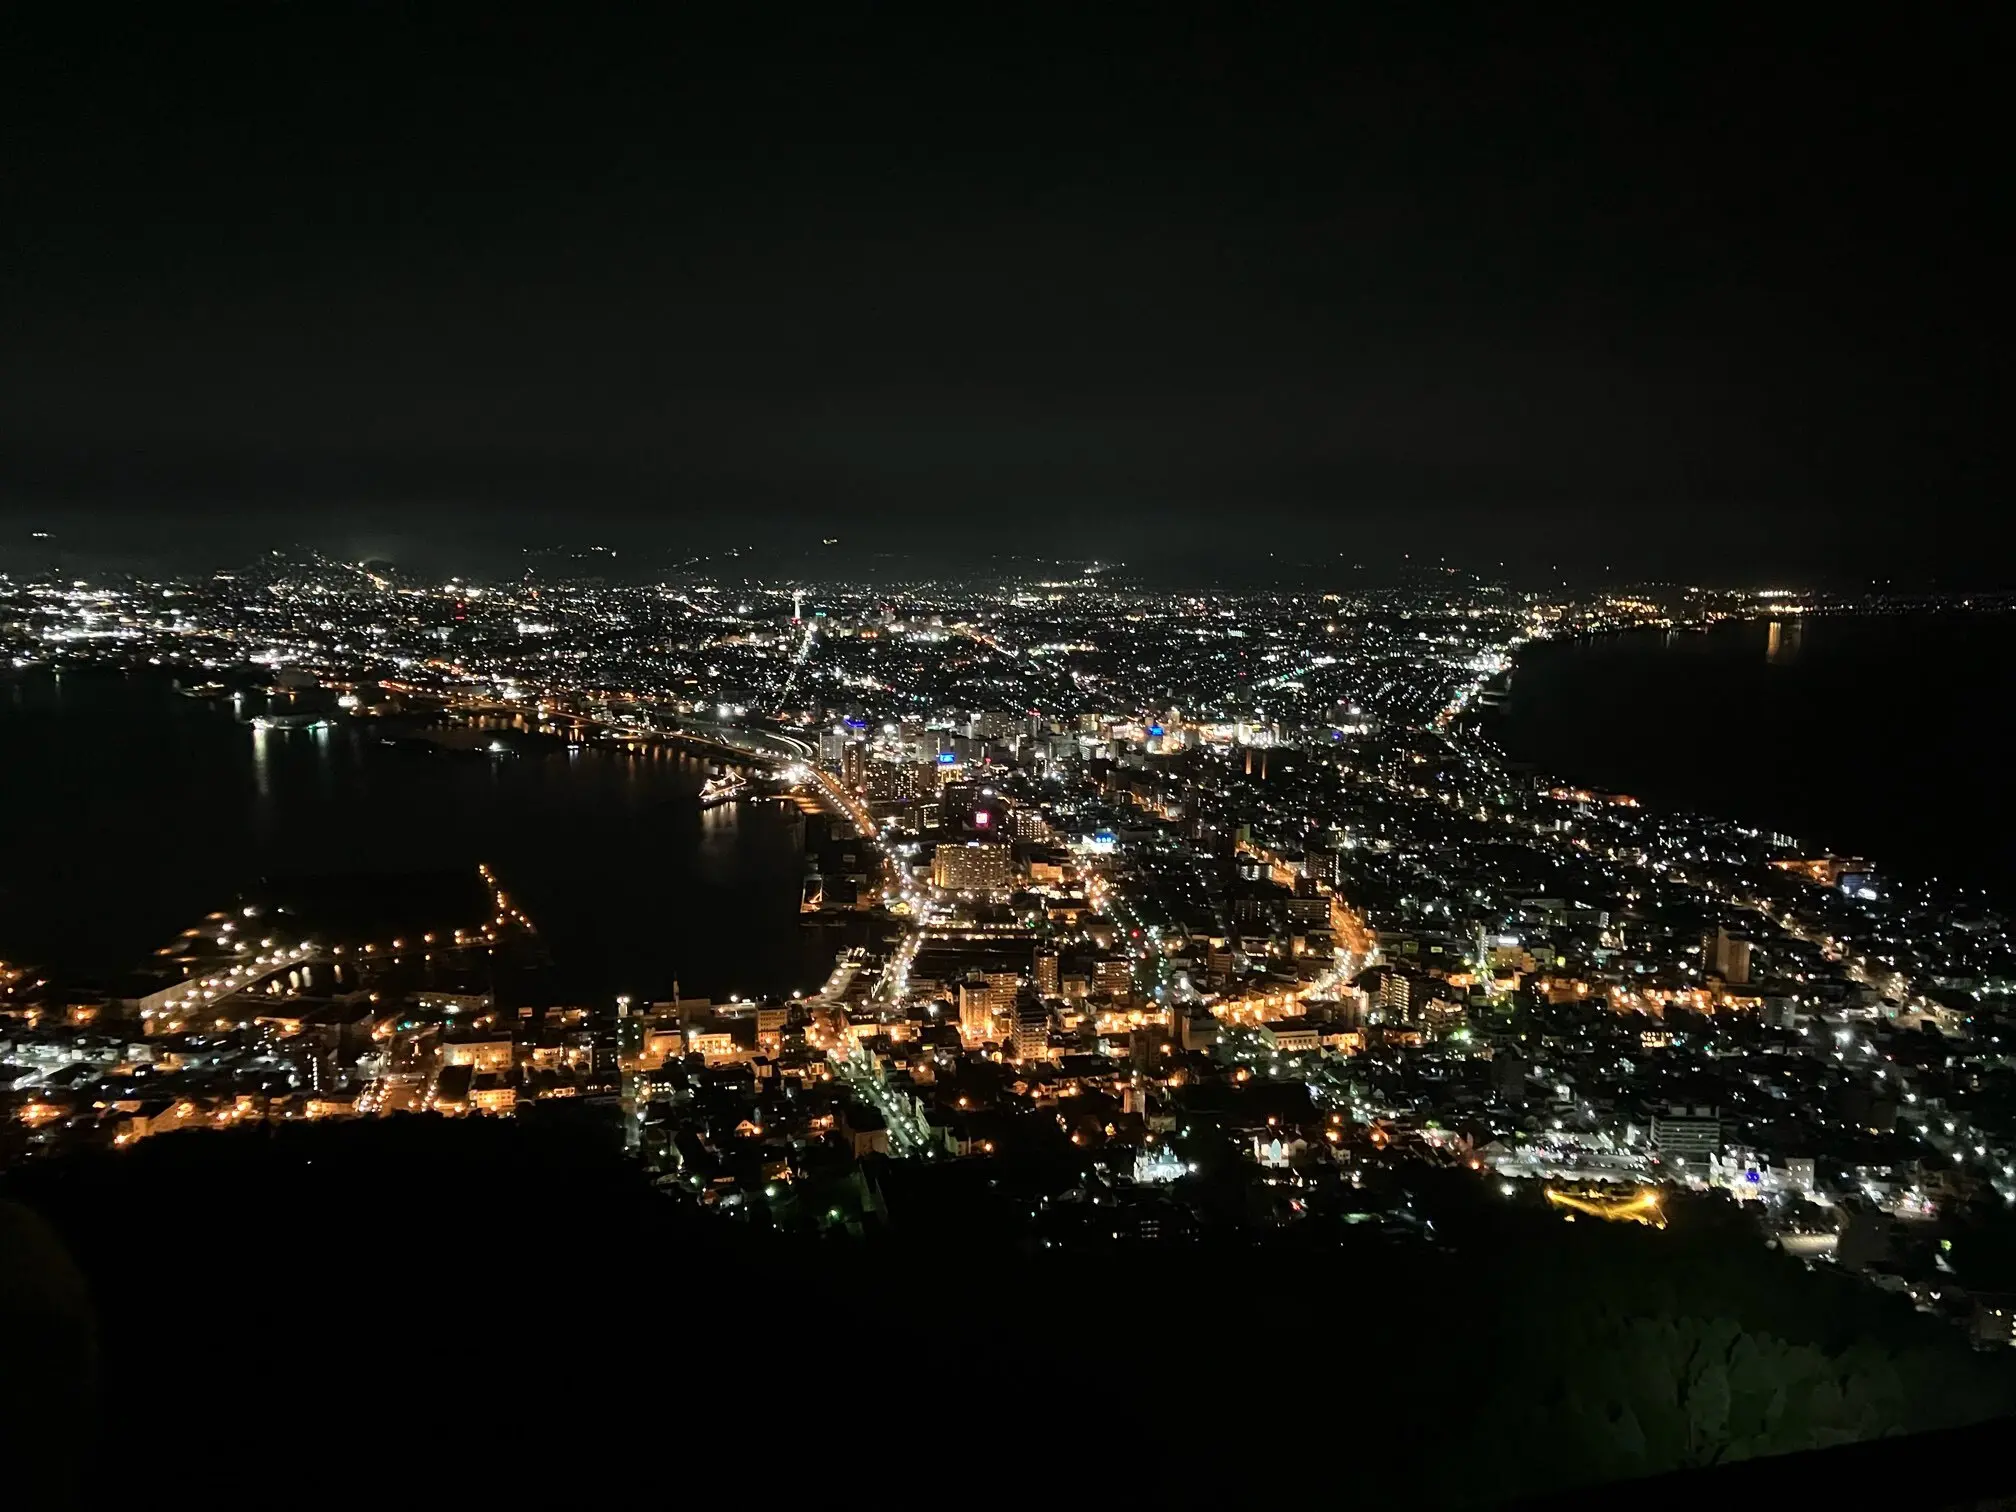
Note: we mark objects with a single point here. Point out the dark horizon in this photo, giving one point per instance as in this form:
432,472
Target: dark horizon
618,558
1178,287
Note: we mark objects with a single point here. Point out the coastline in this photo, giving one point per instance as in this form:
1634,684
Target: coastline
608,849
1777,724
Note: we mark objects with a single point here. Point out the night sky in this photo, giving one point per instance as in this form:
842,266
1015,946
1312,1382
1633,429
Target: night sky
1679,299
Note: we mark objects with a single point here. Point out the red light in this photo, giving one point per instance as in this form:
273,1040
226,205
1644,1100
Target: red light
982,819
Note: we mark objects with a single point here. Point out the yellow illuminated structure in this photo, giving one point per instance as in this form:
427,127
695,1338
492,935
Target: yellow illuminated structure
494,1099
486,1057
1637,1205
973,867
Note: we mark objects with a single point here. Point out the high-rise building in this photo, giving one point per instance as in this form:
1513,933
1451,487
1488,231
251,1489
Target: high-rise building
987,1006
1345,1007
976,1013
1687,1136
977,866
1727,956
1442,1016
1032,1028
1029,824
1218,964
1508,1073
1258,907
900,781
1402,995
1046,971
1114,977
976,1024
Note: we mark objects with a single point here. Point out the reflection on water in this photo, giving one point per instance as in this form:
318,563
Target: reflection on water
1781,641
262,771
136,810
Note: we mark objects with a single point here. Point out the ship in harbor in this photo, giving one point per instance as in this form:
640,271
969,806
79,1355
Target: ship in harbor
722,787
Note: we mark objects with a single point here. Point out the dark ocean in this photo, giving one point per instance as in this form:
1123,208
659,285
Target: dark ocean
131,811
1885,737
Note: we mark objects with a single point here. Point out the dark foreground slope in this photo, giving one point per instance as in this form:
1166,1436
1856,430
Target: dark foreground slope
505,1310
